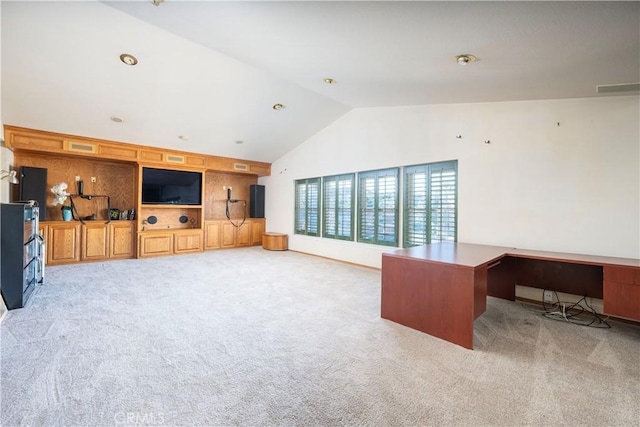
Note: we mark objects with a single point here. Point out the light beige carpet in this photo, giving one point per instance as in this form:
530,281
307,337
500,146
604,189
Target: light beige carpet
256,338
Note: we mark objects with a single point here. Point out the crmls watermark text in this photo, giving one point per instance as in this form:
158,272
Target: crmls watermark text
139,418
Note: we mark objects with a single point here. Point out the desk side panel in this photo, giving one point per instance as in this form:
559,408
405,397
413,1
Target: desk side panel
434,298
501,280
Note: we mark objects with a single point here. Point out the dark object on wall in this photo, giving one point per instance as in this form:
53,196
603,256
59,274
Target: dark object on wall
175,187
256,201
22,262
33,186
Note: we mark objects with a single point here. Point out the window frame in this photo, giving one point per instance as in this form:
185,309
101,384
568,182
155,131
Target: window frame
303,229
428,169
361,191
337,208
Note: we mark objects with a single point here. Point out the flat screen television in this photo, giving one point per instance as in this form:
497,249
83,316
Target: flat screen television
171,187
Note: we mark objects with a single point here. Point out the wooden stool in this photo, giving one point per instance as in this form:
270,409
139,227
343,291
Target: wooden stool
275,241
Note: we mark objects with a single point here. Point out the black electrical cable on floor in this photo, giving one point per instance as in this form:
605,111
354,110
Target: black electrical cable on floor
574,313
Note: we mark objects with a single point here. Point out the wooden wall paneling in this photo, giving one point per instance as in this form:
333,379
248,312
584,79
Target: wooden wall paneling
215,196
169,217
114,179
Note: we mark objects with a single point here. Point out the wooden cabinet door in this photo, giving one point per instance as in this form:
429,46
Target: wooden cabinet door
621,291
63,243
95,241
188,242
228,235
257,230
621,299
155,244
121,241
212,235
244,234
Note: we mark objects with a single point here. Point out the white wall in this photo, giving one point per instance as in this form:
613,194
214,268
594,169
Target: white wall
6,156
558,175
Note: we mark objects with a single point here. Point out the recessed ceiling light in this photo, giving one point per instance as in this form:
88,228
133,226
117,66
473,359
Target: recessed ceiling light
157,2
329,81
278,107
117,119
465,59
184,137
128,59
239,142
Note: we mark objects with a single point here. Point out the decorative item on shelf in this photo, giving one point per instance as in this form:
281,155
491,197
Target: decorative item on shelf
60,192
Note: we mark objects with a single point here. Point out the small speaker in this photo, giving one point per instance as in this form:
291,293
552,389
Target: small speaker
256,201
33,186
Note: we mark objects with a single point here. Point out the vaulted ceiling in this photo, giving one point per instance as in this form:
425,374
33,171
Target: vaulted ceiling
212,71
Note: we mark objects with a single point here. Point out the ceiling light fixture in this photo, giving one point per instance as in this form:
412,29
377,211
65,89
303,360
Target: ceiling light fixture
128,59
278,107
239,142
157,2
9,176
329,81
465,59
116,119
184,137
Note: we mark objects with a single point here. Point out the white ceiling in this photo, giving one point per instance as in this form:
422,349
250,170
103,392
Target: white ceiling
212,70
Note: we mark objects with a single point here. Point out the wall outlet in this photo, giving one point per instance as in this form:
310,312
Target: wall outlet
548,296
77,178
93,179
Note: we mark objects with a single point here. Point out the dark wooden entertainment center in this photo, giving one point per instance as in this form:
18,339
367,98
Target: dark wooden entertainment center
114,169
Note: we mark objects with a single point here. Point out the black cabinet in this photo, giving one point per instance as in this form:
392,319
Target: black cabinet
22,253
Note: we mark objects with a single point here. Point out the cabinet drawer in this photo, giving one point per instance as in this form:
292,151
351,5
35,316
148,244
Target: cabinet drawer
154,245
188,242
621,299
628,275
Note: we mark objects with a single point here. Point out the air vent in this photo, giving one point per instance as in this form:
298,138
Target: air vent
79,147
618,88
240,167
173,158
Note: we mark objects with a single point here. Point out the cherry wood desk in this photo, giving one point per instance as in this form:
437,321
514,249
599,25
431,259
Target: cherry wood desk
441,288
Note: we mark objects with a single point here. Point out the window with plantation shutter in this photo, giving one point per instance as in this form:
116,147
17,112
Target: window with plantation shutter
307,209
337,206
430,208
378,207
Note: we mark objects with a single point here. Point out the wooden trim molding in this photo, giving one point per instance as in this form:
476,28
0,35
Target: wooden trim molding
18,138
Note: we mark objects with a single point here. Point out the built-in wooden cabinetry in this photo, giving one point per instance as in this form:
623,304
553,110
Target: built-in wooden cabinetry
122,238
63,242
95,241
72,241
220,234
114,169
